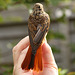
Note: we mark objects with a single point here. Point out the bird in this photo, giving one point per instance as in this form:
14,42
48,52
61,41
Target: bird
38,27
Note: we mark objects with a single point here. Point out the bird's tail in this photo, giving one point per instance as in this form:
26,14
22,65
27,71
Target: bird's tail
38,66
33,61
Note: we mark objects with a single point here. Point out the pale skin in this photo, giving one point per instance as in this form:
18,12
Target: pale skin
19,53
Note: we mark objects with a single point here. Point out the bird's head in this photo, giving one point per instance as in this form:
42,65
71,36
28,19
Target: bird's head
38,8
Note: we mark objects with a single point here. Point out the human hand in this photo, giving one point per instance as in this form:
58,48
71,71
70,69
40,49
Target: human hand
19,53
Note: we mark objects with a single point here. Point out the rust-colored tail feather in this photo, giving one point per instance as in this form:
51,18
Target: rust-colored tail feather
38,66
33,62
27,59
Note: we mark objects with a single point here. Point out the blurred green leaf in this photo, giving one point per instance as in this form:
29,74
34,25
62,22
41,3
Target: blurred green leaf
1,19
4,3
14,19
61,19
28,1
55,49
8,70
55,35
62,72
54,2
71,73
72,47
73,61
66,1
34,1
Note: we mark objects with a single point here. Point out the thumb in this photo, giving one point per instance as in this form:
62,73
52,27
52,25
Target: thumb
48,58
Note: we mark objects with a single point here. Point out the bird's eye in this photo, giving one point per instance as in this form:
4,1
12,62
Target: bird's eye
38,6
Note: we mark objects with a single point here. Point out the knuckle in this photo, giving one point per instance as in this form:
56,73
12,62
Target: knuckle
15,49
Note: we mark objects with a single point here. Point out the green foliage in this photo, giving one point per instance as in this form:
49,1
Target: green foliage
55,35
62,72
11,19
66,1
55,49
73,61
14,19
72,46
4,4
1,19
33,1
71,73
54,2
61,19
28,1
59,35
8,70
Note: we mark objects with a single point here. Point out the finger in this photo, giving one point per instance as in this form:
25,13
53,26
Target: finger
17,68
48,57
19,47
22,57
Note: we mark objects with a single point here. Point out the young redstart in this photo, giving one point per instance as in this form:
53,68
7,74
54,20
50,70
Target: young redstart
38,26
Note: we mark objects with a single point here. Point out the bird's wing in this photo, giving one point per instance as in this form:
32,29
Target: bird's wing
42,29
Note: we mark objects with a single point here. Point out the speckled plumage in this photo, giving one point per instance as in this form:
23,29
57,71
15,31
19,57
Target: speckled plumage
38,20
